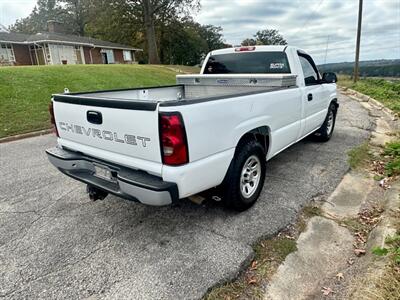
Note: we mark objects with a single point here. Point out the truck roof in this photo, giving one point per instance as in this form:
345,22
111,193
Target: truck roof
258,48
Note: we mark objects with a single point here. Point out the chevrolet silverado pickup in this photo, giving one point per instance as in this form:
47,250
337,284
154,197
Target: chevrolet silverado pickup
211,131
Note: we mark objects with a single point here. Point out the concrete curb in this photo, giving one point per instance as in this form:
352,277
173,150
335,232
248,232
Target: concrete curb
317,266
25,135
364,98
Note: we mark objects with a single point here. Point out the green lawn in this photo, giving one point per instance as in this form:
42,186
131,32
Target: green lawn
383,90
25,92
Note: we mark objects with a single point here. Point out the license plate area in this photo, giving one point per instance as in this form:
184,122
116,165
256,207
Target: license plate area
104,173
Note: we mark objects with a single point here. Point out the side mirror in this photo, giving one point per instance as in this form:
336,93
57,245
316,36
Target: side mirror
329,77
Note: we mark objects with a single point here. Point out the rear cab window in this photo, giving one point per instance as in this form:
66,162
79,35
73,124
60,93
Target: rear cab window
248,63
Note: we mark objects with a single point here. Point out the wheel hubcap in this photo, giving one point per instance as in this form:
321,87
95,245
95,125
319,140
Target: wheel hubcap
329,125
250,178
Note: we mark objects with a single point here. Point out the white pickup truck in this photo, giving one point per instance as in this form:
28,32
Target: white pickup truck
213,130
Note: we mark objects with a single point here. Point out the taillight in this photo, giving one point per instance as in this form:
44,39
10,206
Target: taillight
52,119
173,139
245,48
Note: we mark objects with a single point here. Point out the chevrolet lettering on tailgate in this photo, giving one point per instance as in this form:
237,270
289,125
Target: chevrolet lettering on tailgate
105,134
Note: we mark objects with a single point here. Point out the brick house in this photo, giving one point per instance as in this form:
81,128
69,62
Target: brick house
55,47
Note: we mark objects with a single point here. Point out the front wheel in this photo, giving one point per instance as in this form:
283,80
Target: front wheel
324,134
245,178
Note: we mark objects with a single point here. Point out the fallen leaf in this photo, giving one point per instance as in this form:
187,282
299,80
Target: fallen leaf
326,291
360,238
254,265
359,252
252,280
339,276
350,261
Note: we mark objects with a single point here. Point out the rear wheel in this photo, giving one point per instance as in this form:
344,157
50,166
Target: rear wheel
324,134
245,178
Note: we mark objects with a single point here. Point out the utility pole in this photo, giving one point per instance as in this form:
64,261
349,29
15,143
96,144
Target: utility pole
357,62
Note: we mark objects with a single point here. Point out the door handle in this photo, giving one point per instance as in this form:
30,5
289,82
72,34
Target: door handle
309,97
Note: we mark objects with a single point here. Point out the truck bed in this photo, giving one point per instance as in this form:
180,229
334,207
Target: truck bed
191,87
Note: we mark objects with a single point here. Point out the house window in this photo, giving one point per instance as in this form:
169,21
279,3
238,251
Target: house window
108,56
127,55
6,53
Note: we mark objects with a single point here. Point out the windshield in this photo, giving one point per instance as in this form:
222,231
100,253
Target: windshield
248,63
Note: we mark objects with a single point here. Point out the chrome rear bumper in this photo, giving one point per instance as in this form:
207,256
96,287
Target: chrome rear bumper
126,183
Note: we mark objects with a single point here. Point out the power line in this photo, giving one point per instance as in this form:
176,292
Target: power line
309,17
326,51
353,51
348,40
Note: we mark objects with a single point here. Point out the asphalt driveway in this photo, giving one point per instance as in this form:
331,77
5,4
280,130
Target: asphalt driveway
56,243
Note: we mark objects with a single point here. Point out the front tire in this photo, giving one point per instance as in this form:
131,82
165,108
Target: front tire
245,178
324,134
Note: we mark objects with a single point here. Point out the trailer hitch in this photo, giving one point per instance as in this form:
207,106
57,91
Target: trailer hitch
95,193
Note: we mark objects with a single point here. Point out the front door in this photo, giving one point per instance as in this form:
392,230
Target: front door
104,58
314,95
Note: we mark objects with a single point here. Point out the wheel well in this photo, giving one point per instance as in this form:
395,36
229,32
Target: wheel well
335,102
260,134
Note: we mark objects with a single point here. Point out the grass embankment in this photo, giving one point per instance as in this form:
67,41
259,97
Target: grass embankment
25,91
384,164
383,90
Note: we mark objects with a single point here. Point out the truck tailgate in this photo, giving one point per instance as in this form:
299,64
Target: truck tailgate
122,135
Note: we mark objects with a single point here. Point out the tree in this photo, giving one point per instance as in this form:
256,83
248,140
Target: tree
212,35
249,42
44,11
78,14
269,37
187,42
157,12
114,21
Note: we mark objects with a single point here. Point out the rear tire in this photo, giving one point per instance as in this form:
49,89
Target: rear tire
245,177
324,134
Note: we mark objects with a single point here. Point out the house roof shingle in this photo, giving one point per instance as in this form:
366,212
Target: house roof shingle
14,37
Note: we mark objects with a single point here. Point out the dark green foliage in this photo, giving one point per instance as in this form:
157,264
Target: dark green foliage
265,37
269,37
187,43
392,249
380,251
249,42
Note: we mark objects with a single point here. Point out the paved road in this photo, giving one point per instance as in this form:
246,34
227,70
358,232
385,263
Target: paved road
55,243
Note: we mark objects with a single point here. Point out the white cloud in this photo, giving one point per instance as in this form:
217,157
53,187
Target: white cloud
312,24
11,10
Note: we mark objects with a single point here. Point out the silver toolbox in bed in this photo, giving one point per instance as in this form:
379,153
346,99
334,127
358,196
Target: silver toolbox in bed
197,85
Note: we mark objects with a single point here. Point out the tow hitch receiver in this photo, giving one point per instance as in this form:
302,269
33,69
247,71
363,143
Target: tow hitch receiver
95,193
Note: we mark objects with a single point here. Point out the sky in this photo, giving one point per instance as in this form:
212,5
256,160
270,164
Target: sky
324,28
